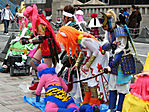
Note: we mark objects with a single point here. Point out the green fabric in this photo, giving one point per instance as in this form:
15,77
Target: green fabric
28,31
17,47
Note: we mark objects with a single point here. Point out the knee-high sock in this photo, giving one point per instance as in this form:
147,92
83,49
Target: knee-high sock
120,101
112,99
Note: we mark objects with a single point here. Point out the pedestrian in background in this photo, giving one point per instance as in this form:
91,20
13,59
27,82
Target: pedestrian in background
126,14
133,20
6,16
122,18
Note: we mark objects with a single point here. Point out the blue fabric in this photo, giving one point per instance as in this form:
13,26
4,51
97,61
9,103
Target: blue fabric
112,99
6,25
86,108
121,78
109,21
119,31
120,101
128,64
2,69
72,23
106,47
58,102
118,57
40,105
35,63
114,67
113,38
66,110
47,71
104,108
37,98
126,14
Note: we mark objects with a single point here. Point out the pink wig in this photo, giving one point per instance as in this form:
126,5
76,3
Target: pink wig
141,88
32,12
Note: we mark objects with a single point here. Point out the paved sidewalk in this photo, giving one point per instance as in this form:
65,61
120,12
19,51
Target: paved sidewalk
12,92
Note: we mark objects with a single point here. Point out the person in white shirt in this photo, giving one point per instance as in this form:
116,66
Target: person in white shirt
6,16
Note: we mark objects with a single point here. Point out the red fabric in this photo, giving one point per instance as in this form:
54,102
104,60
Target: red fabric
44,47
94,15
95,32
45,51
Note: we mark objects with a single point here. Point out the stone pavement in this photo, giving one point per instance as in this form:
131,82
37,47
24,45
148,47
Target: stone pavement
12,92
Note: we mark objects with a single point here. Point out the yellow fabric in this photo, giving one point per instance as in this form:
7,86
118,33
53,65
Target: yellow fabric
58,93
22,7
146,66
134,104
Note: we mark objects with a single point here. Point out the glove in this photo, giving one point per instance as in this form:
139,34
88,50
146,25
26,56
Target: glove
37,98
25,41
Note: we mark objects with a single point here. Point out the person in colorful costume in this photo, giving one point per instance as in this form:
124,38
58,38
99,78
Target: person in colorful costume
79,14
25,31
121,61
138,98
94,25
57,100
48,47
94,61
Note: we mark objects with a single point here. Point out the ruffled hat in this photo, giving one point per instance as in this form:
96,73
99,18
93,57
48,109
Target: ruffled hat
94,22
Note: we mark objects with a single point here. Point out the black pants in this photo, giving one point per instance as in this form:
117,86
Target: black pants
6,25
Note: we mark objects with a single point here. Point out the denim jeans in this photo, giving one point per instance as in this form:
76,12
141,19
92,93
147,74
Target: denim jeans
6,25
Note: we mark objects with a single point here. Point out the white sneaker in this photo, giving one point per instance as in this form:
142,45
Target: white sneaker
7,34
110,110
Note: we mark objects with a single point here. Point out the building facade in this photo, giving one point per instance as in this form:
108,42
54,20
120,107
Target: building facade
45,5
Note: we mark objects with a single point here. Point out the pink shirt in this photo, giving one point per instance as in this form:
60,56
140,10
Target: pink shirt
49,79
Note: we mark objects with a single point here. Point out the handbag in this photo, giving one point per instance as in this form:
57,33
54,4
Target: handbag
138,66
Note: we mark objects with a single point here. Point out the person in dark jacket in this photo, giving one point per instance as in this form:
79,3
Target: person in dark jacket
134,21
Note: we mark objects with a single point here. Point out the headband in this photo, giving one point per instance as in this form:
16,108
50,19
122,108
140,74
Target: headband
67,14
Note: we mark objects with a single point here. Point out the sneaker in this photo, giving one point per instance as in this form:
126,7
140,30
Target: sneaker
7,34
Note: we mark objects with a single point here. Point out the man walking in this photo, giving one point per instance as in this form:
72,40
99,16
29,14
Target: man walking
6,16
